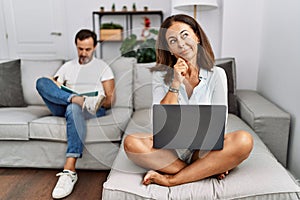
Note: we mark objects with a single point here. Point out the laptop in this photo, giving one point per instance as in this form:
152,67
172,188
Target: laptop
195,127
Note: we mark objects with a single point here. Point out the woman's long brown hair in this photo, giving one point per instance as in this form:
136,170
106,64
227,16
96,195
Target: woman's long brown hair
165,60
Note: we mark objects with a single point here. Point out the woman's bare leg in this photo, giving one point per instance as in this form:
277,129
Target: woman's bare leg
139,148
237,147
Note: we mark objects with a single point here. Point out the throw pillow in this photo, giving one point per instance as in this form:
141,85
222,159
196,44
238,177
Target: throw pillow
11,92
229,68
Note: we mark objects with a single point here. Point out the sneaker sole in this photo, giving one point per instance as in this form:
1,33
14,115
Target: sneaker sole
60,197
100,102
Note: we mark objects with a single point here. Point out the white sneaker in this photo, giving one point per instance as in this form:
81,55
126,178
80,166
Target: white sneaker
65,184
92,104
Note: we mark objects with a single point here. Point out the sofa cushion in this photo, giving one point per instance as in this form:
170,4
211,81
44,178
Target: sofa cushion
140,122
14,121
11,92
269,122
31,71
258,177
122,68
128,184
142,85
228,64
103,129
51,154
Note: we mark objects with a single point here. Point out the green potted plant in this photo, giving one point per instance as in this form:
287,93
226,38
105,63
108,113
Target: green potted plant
111,31
133,7
111,25
143,51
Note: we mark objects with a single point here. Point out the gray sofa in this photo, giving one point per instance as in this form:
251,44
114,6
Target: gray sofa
31,137
261,176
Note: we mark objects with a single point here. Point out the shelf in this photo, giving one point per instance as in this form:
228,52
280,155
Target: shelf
116,41
151,12
128,15
110,41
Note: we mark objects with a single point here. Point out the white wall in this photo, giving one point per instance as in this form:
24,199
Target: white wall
79,15
264,37
211,23
241,38
3,40
279,67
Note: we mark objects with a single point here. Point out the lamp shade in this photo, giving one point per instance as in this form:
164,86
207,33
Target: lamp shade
188,5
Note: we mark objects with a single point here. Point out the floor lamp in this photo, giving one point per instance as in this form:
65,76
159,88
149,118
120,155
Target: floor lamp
196,5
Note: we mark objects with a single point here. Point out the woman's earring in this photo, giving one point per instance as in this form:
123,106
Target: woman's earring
171,53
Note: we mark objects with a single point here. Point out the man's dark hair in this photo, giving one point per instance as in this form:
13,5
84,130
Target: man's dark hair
84,34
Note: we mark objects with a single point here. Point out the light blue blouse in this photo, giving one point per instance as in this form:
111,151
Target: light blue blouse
212,88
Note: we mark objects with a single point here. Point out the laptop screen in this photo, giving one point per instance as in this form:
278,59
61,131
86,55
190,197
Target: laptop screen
189,126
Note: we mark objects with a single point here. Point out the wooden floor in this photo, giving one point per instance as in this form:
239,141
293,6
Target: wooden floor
37,184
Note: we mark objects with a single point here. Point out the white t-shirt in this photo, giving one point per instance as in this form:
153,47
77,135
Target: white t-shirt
84,78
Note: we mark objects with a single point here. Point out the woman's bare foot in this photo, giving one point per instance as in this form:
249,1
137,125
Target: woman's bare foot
164,179
155,177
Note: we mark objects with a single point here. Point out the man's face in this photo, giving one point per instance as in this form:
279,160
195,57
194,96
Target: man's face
85,50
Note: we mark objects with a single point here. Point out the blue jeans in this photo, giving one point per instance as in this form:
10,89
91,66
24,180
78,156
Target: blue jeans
58,102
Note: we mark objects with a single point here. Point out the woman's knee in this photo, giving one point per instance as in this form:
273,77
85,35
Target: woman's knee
134,143
246,139
244,143
130,143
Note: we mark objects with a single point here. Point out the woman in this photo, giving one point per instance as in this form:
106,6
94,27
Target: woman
184,74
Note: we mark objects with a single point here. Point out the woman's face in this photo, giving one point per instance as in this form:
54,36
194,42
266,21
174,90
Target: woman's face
182,41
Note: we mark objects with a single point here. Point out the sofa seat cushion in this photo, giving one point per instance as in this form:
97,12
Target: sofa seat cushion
14,121
51,154
126,185
103,129
261,176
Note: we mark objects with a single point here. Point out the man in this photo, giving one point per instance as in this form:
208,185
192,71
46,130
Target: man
85,73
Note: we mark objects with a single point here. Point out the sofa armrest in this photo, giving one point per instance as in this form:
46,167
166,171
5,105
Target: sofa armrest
269,122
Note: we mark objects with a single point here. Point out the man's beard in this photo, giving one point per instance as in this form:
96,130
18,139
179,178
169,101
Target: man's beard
84,59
